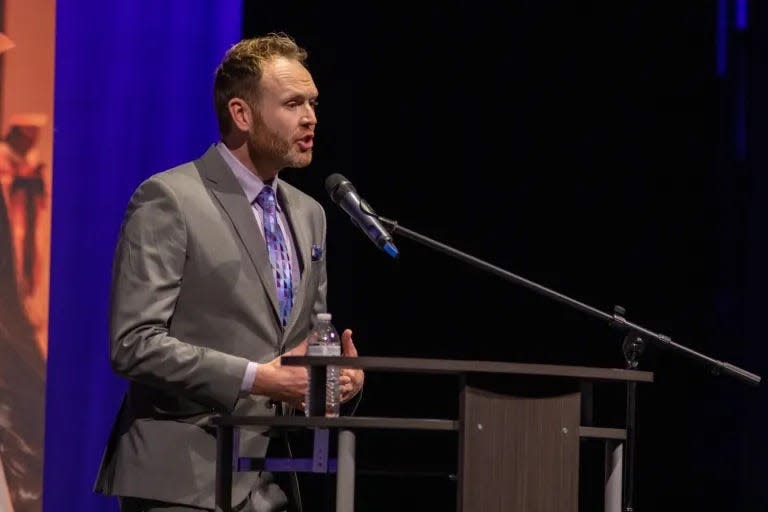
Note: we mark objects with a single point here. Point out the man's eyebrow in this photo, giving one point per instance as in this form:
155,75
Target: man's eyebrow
295,95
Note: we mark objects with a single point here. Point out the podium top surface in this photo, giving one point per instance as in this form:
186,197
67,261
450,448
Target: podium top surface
460,366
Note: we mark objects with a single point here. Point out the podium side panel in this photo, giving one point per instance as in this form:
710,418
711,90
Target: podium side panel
519,453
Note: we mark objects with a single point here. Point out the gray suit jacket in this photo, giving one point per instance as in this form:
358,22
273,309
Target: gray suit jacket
193,300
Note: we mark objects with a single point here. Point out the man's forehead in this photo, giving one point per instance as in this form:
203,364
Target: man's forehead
281,74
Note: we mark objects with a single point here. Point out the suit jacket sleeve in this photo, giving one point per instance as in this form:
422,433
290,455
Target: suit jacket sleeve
147,276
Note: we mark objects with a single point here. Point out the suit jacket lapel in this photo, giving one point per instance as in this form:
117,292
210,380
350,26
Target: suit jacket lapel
302,236
230,195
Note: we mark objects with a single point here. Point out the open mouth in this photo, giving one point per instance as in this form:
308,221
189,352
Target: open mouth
305,143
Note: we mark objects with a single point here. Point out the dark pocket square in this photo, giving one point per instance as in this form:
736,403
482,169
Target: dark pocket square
317,252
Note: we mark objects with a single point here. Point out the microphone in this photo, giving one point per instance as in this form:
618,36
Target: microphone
344,194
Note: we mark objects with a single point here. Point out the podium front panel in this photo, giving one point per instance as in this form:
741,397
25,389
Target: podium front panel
519,453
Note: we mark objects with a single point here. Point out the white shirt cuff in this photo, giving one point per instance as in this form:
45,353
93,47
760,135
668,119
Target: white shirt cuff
248,378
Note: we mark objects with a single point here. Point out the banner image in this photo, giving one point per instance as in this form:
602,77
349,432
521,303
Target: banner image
27,38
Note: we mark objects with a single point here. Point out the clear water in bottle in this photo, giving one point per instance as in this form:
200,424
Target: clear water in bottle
323,395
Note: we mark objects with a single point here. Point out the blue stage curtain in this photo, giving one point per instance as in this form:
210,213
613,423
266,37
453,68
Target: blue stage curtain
133,96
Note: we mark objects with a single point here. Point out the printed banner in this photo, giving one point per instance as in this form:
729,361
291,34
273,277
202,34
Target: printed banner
27,39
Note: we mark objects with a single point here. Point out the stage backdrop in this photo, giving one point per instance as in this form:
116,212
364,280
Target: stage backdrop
26,112
133,97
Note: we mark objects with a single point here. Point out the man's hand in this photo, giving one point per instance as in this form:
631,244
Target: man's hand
285,383
350,380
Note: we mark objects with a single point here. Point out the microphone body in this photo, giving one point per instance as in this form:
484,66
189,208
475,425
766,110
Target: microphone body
344,194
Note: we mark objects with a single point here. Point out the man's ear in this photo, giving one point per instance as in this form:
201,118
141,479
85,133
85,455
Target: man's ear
241,114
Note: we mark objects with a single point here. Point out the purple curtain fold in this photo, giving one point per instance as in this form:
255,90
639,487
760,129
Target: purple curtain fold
133,97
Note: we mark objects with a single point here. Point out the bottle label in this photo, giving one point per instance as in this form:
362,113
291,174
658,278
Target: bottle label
324,350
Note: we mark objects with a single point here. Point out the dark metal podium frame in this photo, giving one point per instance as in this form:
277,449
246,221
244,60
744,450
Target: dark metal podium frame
519,429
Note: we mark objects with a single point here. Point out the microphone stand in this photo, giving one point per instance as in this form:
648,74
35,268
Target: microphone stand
635,339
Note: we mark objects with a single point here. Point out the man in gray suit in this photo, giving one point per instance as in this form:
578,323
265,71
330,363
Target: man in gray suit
219,270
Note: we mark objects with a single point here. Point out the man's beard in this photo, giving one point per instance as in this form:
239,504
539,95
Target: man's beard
264,145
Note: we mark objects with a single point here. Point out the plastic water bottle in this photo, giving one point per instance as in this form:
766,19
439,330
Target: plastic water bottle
323,395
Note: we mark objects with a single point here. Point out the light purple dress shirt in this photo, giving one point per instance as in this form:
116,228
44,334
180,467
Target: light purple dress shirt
252,185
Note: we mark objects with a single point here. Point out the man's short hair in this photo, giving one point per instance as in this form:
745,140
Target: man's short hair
240,71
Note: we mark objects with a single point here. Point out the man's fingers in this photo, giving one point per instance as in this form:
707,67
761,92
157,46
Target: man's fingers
347,392
347,343
352,373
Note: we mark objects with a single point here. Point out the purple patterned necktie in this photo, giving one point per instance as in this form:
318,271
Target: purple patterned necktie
278,252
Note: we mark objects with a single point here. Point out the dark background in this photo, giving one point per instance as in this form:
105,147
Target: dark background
591,147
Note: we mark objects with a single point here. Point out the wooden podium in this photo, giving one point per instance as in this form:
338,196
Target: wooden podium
519,429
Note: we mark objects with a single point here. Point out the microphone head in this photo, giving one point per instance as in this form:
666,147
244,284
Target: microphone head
337,186
333,181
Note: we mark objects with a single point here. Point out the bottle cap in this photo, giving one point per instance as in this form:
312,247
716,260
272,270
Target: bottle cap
324,317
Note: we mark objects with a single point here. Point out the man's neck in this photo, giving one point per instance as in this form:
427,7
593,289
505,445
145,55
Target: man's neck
240,151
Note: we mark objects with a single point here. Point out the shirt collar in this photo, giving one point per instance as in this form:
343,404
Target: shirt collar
250,183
